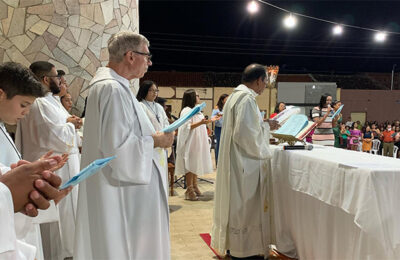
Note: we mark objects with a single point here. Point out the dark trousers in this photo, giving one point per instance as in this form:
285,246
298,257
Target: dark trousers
343,144
388,149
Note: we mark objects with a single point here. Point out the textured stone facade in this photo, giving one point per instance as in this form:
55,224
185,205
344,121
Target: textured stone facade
71,34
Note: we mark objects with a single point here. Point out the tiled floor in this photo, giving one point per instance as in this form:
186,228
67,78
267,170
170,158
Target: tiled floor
190,218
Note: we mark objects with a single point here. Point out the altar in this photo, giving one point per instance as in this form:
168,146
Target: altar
331,203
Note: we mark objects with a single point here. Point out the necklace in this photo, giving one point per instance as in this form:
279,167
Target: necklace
152,110
11,143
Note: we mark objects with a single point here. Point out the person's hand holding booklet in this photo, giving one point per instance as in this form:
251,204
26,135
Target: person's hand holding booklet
183,119
338,111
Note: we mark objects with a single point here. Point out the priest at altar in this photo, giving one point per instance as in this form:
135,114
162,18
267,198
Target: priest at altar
241,215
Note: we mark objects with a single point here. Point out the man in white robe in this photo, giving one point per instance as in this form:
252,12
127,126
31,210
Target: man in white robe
122,210
240,222
49,127
63,94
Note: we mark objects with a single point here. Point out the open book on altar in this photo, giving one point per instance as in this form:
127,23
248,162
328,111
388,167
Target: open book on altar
296,127
283,116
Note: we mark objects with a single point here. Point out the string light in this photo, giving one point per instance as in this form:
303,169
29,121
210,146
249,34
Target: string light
380,37
290,21
252,7
337,30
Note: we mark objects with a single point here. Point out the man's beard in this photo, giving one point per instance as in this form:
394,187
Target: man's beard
54,88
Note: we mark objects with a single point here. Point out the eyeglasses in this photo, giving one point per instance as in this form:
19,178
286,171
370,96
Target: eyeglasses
148,55
154,90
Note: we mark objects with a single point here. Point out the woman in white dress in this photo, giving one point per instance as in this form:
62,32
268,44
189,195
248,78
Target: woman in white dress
193,155
147,95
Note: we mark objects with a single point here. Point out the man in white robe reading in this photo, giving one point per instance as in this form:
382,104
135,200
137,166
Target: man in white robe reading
49,127
122,210
240,222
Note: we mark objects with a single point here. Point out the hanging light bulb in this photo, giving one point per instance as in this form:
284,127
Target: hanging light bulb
252,7
290,21
337,30
380,36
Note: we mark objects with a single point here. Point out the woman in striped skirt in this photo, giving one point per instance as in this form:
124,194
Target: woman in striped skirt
321,114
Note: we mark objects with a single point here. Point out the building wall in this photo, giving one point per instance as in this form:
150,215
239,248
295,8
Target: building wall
210,95
379,105
71,34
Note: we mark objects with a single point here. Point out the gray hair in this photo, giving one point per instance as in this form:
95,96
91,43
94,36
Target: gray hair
122,42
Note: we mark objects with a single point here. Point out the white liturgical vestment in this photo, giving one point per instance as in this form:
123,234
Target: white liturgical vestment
123,209
240,221
45,128
25,230
156,114
10,247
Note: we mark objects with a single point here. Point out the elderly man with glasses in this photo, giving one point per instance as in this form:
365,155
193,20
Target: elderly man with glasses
123,211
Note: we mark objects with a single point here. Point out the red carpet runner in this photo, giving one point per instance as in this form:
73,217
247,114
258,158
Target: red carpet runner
207,239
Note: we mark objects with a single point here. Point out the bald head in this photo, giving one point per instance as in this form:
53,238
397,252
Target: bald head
254,77
253,72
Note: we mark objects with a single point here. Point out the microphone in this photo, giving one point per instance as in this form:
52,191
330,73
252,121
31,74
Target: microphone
308,147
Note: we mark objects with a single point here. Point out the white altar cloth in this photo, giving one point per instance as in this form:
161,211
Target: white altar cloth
331,203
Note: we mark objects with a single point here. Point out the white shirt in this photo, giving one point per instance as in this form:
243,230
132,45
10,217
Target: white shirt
10,247
21,224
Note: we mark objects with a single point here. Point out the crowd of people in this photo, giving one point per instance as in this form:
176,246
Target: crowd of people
333,131
358,137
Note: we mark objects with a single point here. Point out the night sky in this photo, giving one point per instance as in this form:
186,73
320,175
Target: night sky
222,36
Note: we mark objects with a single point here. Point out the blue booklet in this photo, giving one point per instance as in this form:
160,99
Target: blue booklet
91,169
183,119
338,111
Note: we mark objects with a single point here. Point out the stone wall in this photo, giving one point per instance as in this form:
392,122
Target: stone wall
71,34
